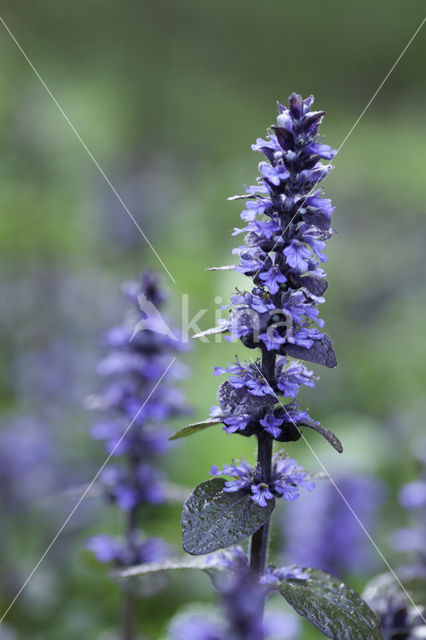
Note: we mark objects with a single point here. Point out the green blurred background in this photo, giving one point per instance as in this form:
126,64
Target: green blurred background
168,96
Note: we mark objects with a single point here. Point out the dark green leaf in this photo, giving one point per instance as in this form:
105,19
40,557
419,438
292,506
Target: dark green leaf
338,611
326,433
321,352
213,519
195,427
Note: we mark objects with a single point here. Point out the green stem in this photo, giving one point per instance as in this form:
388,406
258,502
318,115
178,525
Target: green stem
129,615
129,604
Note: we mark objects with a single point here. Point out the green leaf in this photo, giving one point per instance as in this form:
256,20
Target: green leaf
227,267
167,565
338,611
195,427
213,519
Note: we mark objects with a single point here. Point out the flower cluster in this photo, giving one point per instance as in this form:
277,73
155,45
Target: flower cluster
286,479
136,550
197,624
288,222
400,618
247,391
401,609
240,617
136,406
25,443
322,527
236,560
412,497
401,621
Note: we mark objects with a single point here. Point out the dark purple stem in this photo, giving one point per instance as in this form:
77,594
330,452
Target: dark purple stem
259,541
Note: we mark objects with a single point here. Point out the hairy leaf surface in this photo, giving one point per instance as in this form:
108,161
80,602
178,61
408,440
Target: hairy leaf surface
326,433
321,352
213,519
338,611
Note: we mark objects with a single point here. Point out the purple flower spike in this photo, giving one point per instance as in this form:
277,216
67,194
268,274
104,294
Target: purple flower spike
133,427
319,529
276,316
287,226
413,495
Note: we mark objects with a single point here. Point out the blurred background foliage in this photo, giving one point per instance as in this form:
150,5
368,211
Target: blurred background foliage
168,96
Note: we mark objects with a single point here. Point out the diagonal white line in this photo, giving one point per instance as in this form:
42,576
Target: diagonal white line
86,148
345,500
357,121
379,88
82,497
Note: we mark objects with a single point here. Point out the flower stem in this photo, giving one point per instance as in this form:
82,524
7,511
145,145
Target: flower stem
128,615
259,541
129,605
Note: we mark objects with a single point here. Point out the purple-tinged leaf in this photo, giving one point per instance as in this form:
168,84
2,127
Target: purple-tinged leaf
314,284
284,137
213,519
321,352
312,119
236,401
317,218
331,606
317,286
326,433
